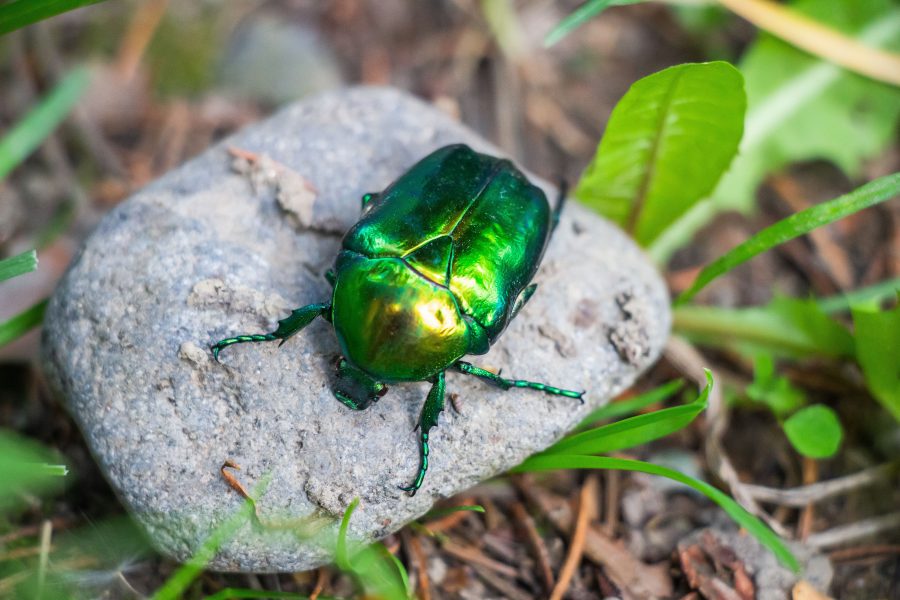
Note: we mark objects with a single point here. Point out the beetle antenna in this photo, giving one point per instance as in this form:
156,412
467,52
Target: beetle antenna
560,200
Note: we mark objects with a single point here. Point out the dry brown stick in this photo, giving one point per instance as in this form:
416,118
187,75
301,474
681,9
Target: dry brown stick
587,511
501,585
143,25
535,542
59,523
858,552
613,491
634,579
418,557
816,492
321,579
819,39
853,532
688,359
477,557
810,475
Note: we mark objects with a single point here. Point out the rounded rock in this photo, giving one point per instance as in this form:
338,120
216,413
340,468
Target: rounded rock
205,252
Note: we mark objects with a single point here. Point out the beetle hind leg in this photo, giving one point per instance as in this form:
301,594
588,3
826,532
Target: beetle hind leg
434,404
298,319
505,384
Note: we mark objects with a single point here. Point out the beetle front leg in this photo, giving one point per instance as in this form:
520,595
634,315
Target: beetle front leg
434,404
298,319
493,378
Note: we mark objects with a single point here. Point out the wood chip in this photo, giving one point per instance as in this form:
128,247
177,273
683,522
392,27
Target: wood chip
804,590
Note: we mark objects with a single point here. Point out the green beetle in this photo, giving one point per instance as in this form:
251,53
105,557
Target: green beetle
436,267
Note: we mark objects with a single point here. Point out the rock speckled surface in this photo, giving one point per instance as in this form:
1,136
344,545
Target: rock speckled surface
206,252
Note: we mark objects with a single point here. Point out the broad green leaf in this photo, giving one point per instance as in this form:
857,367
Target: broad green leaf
801,108
753,525
580,16
785,327
22,323
25,468
814,431
18,265
774,391
28,133
668,141
632,405
633,431
874,192
878,353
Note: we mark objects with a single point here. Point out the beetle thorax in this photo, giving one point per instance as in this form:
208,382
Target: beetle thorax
393,322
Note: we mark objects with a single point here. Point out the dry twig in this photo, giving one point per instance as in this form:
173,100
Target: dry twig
816,492
587,511
536,542
846,534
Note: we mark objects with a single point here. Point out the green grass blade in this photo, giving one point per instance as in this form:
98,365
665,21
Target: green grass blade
342,555
872,294
753,525
633,431
579,17
375,569
785,327
22,323
632,405
883,188
229,593
19,13
25,468
41,120
18,265
175,586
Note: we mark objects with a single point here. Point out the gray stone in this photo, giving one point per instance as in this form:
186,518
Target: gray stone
273,60
205,252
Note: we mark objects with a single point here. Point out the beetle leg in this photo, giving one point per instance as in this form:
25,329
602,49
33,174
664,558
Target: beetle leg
434,404
298,319
484,374
560,202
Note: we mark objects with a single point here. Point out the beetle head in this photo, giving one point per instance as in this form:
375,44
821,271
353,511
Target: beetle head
355,388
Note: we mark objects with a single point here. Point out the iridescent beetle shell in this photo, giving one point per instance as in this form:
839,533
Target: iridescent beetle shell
435,269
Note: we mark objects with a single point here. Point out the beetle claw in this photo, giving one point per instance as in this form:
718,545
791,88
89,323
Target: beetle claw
409,490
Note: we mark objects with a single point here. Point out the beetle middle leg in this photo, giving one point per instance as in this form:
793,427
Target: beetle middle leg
503,383
298,319
434,404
